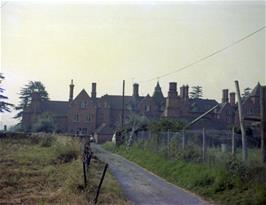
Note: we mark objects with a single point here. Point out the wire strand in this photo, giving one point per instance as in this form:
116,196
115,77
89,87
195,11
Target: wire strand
206,57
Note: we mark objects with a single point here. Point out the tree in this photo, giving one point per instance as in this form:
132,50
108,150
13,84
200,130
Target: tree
196,92
26,95
4,106
246,93
44,123
165,124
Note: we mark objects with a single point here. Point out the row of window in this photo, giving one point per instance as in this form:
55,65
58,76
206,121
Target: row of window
88,118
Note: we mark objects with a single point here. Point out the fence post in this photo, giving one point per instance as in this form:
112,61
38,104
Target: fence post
99,187
233,140
203,145
263,122
183,139
84,173
168,143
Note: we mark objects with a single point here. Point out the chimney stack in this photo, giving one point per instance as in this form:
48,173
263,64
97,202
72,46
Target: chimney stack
225,96
232,98
172,90
135,90
186,88
71,91
93,90
182,91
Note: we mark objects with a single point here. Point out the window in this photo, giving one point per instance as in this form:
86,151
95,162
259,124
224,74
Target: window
82,104
84,130
147,108
76,118
88,118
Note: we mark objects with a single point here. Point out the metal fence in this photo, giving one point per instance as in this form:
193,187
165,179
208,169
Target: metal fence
206,145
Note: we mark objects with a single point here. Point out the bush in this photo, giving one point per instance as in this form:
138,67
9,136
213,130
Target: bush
44,123
67,152
47,141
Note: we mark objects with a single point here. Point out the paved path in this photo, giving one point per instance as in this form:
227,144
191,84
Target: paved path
141,186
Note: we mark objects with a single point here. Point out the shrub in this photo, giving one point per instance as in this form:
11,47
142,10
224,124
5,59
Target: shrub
67,152
47,141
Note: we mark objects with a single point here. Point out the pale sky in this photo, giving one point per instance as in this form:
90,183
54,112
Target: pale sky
108,42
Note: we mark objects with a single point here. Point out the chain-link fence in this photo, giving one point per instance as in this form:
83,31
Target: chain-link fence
206,145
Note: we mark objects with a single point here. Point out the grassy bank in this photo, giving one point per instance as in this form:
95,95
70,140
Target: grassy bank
229,183
48,170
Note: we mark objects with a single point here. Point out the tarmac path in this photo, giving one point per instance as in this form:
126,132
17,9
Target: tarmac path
143,187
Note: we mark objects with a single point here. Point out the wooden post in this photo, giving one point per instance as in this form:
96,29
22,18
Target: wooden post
168,143
233,140
123,104
263,122
241,120
183,139
99,187
88,161
203,145
84,174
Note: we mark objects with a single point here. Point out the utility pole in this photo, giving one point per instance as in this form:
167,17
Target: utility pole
263,122
123,104
241,120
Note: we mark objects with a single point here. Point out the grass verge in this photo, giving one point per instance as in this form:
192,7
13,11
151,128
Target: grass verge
231,183
48,170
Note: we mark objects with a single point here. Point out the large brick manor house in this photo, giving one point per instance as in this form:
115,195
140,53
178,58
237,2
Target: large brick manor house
89,114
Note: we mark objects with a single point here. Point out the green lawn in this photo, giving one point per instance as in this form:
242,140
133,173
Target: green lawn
229,183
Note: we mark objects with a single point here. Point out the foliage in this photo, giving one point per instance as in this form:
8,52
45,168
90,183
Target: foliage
16,128
44,123
29,174
26,95
230,183
196,92
165,124
135,122
246,93
4,106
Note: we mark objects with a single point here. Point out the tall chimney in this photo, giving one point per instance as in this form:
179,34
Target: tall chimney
232,98
225,96
186,88
135,90
93,90
172,90
71,91
182,91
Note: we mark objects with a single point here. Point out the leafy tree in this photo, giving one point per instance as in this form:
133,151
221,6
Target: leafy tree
133,124
4,106
165,124
196,92
246,93
26,95
44,123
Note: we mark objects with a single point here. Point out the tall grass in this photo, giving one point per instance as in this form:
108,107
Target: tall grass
230,182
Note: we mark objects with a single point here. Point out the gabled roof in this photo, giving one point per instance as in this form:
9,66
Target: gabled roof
82,93
158,95
201,105
115,101
222,106
58,108
254,93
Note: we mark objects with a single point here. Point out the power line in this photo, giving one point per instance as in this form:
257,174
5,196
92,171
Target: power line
3,4
208,56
